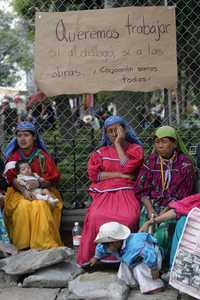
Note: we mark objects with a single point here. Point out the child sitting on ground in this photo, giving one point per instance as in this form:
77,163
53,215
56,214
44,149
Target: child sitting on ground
138,252
25,175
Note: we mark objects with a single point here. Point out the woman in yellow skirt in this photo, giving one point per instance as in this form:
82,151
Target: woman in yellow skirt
31,223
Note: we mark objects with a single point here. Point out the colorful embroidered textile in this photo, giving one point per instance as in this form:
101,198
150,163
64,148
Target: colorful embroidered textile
163,181
149,181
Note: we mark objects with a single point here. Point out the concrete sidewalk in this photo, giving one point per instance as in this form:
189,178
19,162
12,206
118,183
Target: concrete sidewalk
18,293
28,294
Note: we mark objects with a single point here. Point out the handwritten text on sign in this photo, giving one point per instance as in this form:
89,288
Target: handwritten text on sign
132,48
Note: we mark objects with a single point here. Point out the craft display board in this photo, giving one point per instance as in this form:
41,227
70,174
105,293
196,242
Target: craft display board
185,274
129,48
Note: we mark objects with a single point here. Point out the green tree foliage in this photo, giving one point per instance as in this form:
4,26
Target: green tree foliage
27,8
13,50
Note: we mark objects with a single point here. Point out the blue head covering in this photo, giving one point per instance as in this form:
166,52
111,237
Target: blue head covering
131,135
24,126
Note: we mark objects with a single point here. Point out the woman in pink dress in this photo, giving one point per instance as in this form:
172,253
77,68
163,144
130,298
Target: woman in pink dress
112,168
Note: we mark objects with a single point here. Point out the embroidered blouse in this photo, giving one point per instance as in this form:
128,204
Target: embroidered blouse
149,181
106,159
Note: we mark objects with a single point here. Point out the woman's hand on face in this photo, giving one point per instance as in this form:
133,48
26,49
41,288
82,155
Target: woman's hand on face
28,195
121,135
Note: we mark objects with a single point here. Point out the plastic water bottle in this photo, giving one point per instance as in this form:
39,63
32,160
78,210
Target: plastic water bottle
76,236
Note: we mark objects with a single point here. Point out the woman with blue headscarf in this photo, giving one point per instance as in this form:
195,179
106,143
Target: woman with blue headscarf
112,168
31,223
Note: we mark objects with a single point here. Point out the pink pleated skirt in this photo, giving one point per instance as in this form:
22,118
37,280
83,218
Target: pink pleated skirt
120,206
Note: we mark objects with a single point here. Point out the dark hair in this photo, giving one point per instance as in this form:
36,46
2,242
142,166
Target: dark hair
106,243
19,163
33,133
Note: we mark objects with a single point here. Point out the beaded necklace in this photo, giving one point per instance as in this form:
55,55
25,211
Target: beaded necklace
30,157
166,175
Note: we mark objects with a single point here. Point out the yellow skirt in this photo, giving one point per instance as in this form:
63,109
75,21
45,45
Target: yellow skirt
32,224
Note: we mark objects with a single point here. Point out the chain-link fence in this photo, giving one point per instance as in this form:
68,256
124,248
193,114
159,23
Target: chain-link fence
71,125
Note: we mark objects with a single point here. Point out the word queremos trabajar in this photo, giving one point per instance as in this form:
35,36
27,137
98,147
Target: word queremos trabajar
156,29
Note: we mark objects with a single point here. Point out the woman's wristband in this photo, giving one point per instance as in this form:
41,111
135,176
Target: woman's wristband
156,221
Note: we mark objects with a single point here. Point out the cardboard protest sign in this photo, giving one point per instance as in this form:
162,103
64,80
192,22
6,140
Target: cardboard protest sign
131,48
185,273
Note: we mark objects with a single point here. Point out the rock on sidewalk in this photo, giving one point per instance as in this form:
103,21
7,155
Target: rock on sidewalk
53,277
98,285
28,294
29,261
7,280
